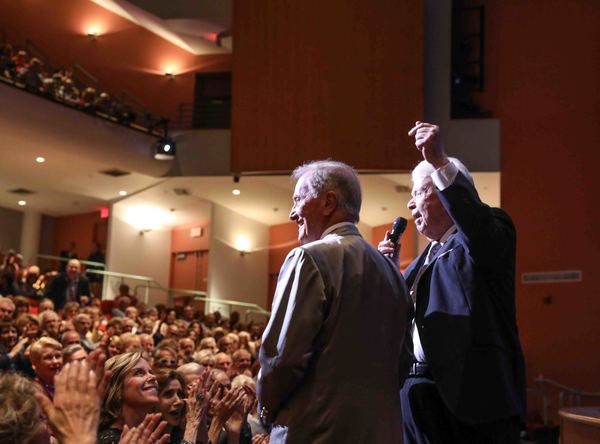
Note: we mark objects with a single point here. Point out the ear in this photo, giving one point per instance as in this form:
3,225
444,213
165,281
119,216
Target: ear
330,202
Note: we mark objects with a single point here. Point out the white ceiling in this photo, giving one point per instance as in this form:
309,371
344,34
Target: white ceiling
77,146
267,199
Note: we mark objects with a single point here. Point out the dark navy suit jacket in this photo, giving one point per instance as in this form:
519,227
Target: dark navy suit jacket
465,311
57,290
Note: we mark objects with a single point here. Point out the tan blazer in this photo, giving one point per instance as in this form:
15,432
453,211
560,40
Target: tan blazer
331,351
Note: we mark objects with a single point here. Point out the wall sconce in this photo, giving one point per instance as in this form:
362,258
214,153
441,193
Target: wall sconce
145,230
242,245
169,74
92,34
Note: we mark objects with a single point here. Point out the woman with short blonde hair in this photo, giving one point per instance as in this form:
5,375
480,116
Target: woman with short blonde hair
46,359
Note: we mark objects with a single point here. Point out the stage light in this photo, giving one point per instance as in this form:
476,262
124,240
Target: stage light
165,149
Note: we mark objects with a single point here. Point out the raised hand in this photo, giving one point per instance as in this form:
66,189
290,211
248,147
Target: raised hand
150,431
75,414
428,141
197,402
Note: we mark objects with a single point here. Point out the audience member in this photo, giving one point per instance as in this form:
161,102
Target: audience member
74,352
131,393
7,309
20,413
68,286
45,305
50,324
46,360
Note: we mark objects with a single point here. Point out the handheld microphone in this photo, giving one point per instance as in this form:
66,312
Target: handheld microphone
398,228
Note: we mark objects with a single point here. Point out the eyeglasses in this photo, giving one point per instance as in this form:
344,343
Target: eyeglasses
167,362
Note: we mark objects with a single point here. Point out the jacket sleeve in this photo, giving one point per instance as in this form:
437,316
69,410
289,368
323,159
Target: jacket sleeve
296,318
483,228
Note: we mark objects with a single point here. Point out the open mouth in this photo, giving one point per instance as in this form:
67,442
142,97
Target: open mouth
151,388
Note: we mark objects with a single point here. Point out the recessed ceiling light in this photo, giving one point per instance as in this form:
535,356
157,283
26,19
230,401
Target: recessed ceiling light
122,193
22,203
236,192
40,159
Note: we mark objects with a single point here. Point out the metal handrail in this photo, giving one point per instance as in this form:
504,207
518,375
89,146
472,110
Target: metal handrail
571,393
203,296
79,70
150,284
67,259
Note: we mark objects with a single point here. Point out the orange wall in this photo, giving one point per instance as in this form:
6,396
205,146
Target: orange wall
408,242
192,272
182,241
316,79
282,239
83,229
543,72
124,55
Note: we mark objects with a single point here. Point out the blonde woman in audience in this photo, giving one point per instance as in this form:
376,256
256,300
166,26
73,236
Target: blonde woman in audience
209,343
130,342
46,360
205,358
131,393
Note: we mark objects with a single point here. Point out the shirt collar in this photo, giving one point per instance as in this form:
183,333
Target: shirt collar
334,227
447,234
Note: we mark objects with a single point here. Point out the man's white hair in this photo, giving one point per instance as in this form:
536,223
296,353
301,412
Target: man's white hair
330,175
424,170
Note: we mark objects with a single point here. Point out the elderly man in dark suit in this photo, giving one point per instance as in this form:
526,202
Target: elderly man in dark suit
68,286
465,365
337,298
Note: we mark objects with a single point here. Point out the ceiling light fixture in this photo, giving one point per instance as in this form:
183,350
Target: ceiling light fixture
236,192
165,149
22,203
122,193
40,159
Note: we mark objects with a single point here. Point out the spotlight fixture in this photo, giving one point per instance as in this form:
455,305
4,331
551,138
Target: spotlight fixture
122,193
40,159
164,149
236,191
22,203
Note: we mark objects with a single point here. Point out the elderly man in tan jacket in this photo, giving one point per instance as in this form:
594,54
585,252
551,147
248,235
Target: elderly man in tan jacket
337,298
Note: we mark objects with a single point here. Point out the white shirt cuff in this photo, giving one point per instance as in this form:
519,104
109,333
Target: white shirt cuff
444,176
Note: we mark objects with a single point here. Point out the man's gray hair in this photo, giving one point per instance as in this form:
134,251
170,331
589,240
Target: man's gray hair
330,175
424,170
